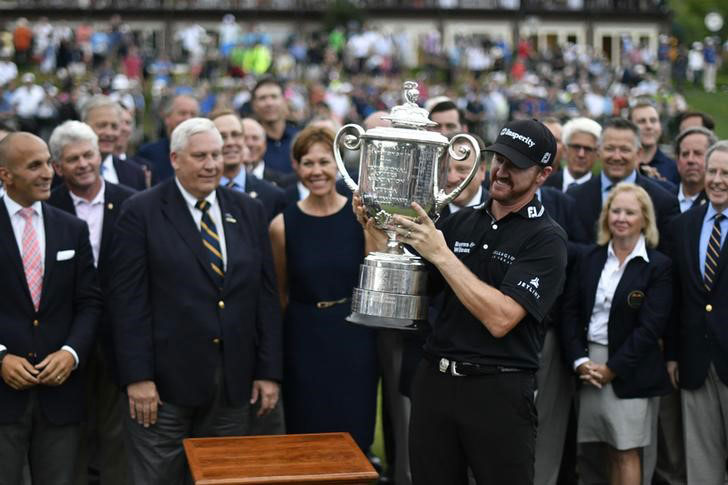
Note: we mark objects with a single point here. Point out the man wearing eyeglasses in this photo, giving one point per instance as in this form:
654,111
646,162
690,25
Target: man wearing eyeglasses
619,152
580,137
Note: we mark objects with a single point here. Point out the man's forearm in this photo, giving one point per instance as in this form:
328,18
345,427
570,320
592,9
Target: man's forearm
498,312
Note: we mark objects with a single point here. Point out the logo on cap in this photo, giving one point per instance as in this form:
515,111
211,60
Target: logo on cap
517,136
546,157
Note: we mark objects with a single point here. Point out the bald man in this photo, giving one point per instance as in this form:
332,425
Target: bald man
255,141
49,309
175,111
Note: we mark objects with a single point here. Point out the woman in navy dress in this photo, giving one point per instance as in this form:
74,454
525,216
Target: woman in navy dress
330,366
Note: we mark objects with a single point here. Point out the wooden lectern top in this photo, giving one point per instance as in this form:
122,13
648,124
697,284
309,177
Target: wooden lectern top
326,458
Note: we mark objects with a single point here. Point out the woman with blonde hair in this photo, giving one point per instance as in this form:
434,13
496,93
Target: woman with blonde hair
616,308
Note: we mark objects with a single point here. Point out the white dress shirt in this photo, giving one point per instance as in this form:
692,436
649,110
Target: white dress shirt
259,169
608,281
93,213
108,172
686,202
474,201
215,215
569,179
302,191
18,224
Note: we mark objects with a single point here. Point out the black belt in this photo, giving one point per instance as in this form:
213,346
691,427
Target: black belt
461,369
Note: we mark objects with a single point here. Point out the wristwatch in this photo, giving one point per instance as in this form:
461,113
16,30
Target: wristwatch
3,353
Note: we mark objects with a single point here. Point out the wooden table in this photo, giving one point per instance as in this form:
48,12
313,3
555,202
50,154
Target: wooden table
326,458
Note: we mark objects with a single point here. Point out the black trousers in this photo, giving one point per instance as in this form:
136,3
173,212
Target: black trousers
49,449
485,423
102,439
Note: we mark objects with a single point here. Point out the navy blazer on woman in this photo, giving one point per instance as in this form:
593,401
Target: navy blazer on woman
637,320
171,320
699,328
70,307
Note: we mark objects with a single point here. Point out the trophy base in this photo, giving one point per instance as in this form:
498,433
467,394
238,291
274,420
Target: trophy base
387,310
383,322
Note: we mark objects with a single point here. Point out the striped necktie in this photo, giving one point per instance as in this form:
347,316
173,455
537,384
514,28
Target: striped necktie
32,263
712,255
211,241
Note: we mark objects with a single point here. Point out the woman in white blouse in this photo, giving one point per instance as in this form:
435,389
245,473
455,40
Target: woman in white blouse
616,307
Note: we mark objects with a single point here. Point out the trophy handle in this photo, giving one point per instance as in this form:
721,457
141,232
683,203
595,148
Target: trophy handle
351,142
443,199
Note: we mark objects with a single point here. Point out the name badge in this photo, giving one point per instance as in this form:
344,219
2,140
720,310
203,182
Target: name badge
635,299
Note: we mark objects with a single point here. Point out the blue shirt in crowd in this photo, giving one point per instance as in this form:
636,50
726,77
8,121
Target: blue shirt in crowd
608,185
278,152
238,181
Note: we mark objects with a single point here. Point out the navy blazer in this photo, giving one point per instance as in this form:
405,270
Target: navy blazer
279,179
291,194
157,152
114,197
664,183
445,211
559,205
588,199
272,197
341,188
171,321
130,174
556,179
70,308
666,167
699,332
638,318
700,200
141,161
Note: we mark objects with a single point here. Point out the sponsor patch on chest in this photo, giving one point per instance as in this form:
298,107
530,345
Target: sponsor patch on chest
463,247
503,257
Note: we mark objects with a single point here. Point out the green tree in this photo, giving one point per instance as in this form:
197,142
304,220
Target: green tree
340,12
689,18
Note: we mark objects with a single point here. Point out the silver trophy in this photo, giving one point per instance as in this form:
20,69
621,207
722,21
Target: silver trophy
399,165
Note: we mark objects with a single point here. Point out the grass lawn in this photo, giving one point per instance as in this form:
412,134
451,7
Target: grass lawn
715,104
378,446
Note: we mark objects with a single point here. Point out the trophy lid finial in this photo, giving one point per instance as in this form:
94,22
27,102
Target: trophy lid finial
410,115
411,93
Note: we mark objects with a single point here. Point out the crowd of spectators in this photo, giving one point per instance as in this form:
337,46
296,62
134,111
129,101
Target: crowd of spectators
346,73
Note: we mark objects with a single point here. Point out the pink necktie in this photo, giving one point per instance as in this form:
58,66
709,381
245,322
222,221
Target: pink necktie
31,257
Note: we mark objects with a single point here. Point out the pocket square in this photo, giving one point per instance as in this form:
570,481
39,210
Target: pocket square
229,218
65,254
